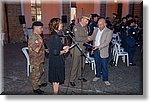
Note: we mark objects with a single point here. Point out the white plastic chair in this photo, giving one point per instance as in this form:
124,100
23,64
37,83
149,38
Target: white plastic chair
113,50
118,53
25,52
115,39
91,61
116,36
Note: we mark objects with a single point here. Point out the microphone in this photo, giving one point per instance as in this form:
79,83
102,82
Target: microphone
67,31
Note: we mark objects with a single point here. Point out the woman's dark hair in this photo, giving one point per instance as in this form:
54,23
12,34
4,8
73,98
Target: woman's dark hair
54,24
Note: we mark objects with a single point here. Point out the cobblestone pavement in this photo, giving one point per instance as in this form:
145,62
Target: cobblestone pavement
124,80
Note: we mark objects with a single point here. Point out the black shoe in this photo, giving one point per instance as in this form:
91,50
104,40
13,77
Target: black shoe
72,84
132,64
38,91
83,79
43,85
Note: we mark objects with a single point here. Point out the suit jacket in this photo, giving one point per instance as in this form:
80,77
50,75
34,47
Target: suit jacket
104,41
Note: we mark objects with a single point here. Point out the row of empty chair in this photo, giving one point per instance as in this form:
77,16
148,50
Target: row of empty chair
118,51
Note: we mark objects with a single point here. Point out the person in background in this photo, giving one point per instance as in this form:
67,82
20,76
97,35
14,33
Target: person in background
92,23
56,74
131,37
36,56
72,24
102,37
129,17
108,22
138,23
123,31
115,23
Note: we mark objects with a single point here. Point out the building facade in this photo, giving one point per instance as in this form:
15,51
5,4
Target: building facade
19,16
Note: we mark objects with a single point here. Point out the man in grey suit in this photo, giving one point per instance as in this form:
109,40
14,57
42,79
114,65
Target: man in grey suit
101,37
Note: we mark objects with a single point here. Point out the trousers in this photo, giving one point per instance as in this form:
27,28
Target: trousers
37,74
76,65
101,66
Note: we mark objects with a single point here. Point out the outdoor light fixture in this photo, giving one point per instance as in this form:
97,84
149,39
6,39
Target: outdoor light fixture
115,1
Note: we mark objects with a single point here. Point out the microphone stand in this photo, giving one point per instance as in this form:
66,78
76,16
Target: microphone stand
81,56
77,45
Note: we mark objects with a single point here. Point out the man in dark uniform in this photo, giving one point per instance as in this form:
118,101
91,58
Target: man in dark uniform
36,55
123,29
131,37
93,23
115,23
81,33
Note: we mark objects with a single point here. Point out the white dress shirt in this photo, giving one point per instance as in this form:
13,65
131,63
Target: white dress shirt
98,37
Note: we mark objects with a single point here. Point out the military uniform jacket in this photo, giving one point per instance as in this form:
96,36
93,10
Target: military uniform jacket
81,34
35,41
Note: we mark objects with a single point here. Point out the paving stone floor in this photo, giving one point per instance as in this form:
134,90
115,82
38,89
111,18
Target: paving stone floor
124,80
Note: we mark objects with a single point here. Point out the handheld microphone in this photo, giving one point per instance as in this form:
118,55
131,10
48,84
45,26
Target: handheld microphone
67,31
